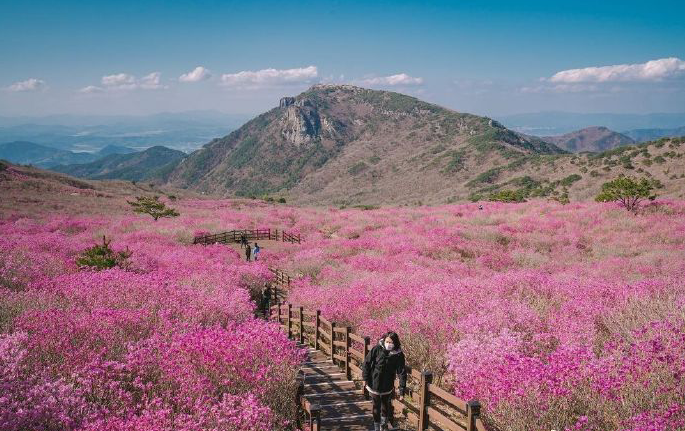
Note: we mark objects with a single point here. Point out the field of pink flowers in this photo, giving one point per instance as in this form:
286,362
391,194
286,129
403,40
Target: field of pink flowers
170,342
554,317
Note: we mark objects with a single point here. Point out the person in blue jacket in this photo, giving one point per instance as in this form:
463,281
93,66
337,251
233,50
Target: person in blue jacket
381,365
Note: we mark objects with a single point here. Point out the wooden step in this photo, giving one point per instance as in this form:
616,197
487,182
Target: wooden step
317,388
334,396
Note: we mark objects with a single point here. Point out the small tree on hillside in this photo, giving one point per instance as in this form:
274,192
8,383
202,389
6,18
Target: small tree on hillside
152,206
628,191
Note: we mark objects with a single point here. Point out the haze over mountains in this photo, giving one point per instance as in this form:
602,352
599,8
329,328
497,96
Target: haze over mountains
640,127
30,153
185,131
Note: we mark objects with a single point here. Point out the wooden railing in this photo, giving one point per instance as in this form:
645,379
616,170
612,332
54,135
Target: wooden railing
250,234
425,403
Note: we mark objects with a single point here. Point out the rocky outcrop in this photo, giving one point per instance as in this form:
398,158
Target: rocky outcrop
300,124
286,101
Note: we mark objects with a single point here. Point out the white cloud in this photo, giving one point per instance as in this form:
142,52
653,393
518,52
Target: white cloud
31,84
91,89
393,80
119,80
560,88
198,74
125,82
151,81
655,70
269,77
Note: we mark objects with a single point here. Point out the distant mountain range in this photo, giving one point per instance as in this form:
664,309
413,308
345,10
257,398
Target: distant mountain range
155,162
184,131
594,139
30,153
558,123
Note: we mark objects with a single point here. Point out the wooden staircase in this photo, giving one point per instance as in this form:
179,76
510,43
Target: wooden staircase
333,401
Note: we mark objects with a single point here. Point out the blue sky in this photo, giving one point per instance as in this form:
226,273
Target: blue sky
491,58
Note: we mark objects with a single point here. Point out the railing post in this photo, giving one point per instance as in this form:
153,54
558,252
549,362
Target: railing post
332,339
301,325
348,373
315,417
472,413
426,379
316,329
290,319
367,345
279,312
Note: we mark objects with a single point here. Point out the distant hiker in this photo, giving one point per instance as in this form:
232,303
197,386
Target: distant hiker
381,365
266,298
248,251
256,251
480,207
243,241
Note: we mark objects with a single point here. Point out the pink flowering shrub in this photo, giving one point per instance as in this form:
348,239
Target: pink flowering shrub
554,317
171,342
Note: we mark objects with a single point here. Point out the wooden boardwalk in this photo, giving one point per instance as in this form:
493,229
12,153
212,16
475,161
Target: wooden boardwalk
341,404
331,393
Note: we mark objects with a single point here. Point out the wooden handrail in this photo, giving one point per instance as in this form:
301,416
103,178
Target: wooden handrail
429,407
234,236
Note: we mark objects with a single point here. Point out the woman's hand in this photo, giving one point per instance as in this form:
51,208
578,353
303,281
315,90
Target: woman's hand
401,398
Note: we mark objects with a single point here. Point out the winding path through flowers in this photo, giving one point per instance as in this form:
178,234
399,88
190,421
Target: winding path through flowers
331,386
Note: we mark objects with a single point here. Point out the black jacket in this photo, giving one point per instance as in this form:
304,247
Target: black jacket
380,367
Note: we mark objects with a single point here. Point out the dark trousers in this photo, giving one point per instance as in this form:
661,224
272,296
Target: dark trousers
382,407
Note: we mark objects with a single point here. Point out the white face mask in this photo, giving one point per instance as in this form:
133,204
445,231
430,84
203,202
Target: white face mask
389,346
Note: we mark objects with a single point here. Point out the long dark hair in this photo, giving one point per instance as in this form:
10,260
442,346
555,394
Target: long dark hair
394,337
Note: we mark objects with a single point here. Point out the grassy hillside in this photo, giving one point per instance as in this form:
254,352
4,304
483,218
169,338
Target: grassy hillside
345,144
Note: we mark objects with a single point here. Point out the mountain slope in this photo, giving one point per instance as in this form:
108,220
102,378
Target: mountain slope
594,139
345,144
153,163
582,175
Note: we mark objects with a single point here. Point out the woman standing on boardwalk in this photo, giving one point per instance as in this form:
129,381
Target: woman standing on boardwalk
248,252
382,364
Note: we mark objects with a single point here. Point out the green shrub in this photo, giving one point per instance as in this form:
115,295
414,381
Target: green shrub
281,200
508,196
659,159
456,162
101,256
357,168
567,181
